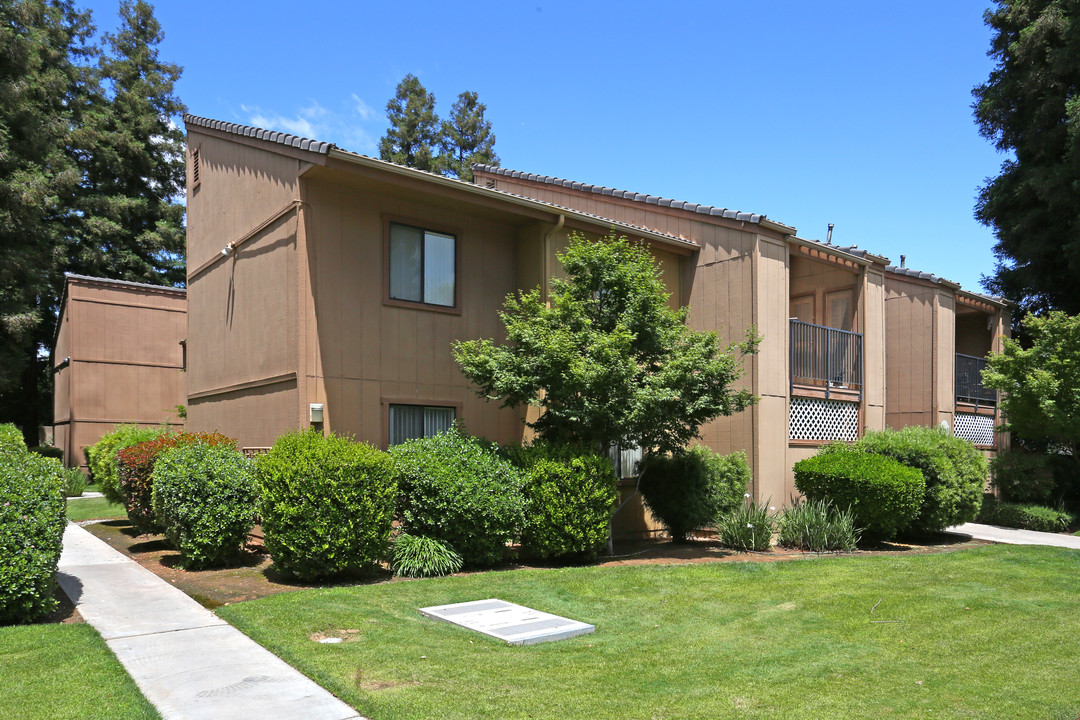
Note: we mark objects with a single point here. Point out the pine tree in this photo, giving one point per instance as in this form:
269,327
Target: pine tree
132,158
412,136
467,138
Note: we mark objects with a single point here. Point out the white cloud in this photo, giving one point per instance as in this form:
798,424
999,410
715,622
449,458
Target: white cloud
319,123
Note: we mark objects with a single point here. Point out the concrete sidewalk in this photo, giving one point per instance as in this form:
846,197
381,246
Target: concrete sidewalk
1012,536
189,663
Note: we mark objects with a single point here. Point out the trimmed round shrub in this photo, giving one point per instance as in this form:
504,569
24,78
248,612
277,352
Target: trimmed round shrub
417,556
32,521
954,471
569,498
460,491
135,468
327,504
884,495
101,457
204,497
11,439
689,490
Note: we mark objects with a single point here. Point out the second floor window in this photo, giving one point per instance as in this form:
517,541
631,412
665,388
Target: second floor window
422,265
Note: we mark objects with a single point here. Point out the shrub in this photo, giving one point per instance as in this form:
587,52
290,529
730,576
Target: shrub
74,482
135,466
569,498
459,490
31,534
11,439
1024,516
418,556
954,471
747,527
690,489
204,497
883,494
819,526
1022,477
101,457
49,451
327,504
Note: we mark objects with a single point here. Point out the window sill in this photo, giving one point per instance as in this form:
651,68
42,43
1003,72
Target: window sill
422,306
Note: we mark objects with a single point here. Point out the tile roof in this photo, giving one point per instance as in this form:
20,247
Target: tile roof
280,138
625,194
125,283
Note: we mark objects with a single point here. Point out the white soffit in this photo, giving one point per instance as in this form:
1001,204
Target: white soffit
514,624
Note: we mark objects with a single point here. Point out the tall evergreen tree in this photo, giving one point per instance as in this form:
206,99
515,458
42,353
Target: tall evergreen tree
467,138
412,137
41,44
131,153
1030,106
91,165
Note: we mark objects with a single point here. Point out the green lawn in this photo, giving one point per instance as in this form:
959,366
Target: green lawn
986,632
93,509
64,672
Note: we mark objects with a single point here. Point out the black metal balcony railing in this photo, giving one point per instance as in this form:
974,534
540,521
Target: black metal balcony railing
826,356
969,387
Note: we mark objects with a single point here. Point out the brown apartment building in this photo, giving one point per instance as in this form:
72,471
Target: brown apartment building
325,288
117,358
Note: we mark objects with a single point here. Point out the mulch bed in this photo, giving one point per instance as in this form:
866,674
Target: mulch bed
255,576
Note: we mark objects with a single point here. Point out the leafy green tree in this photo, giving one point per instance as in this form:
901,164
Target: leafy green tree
1041,384
413,135
131,151
467,138
605,358
1030,107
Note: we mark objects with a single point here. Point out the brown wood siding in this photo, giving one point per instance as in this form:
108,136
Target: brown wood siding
240,187
125,363
909,352
367,352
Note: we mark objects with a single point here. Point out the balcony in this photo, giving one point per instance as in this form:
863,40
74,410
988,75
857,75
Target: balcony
827,359
969,387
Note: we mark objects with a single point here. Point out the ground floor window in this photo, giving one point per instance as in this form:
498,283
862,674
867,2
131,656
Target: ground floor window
821,419
418,421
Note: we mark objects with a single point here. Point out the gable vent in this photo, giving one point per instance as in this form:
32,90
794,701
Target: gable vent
491,184
194,167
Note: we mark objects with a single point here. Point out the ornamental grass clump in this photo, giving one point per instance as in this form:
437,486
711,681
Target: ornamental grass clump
417,556
135,466
749,527
326,503
459,490
74,482
570,496
818,526
690,489
204,498
884,495
31,532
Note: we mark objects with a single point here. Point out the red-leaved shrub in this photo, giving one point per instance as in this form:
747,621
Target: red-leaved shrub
136,467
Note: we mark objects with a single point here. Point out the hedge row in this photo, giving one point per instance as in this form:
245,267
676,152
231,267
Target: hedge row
32,525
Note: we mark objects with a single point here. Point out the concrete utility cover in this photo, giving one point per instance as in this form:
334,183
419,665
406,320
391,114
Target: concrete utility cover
516,624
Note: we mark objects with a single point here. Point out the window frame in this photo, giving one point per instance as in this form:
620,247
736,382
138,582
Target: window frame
423,227
414,402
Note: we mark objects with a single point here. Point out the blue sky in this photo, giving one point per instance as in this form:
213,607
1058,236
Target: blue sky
854,113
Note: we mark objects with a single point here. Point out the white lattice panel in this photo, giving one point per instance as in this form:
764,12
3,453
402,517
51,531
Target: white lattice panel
819,419
978,429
